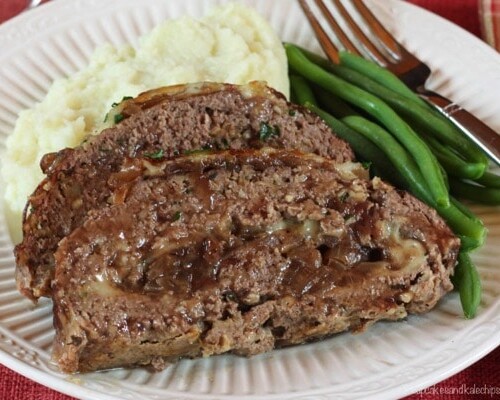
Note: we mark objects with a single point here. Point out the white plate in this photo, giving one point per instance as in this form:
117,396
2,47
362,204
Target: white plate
390,360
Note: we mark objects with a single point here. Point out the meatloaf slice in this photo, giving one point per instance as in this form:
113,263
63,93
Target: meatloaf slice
162,122
241,251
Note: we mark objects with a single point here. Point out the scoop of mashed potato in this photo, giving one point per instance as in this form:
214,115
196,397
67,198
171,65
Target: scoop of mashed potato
232,44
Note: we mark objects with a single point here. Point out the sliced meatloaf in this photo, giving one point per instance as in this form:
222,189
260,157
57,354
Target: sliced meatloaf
160,123
241,251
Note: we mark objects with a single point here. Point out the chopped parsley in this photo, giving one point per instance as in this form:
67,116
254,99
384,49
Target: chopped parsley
343,197
118,118
366,164
177,216
231,296
292,112
266,131
349,218
121,101
156,155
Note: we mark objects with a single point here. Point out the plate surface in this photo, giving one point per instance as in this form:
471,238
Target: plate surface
390,359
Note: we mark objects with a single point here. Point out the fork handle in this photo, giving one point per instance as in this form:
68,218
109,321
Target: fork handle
480,133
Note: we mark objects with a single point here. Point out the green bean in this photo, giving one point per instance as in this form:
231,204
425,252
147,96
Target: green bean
424,158
489,179
471,230
341,109
368,68
467,243
334,105
420,117
452,162
445,176
442,171
464,209
363,147
471,191
315,58
301,90
380,75
395,90
468,283
392,149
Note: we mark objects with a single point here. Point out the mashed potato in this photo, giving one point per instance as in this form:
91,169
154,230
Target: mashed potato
232,44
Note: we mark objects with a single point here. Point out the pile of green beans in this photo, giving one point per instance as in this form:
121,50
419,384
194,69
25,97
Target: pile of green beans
406,142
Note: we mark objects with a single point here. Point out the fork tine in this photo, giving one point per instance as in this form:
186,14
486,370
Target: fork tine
329,48
391,44
346,42
370,48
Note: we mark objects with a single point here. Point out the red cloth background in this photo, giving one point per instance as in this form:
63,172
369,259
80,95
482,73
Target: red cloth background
484,373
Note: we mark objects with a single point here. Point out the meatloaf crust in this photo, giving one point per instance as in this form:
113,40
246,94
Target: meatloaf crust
162,122
242,252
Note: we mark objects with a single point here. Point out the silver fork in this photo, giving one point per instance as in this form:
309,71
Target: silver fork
32,4
401,62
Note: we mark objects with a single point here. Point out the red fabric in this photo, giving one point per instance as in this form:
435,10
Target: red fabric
462,12
10,8
480,377
495,10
